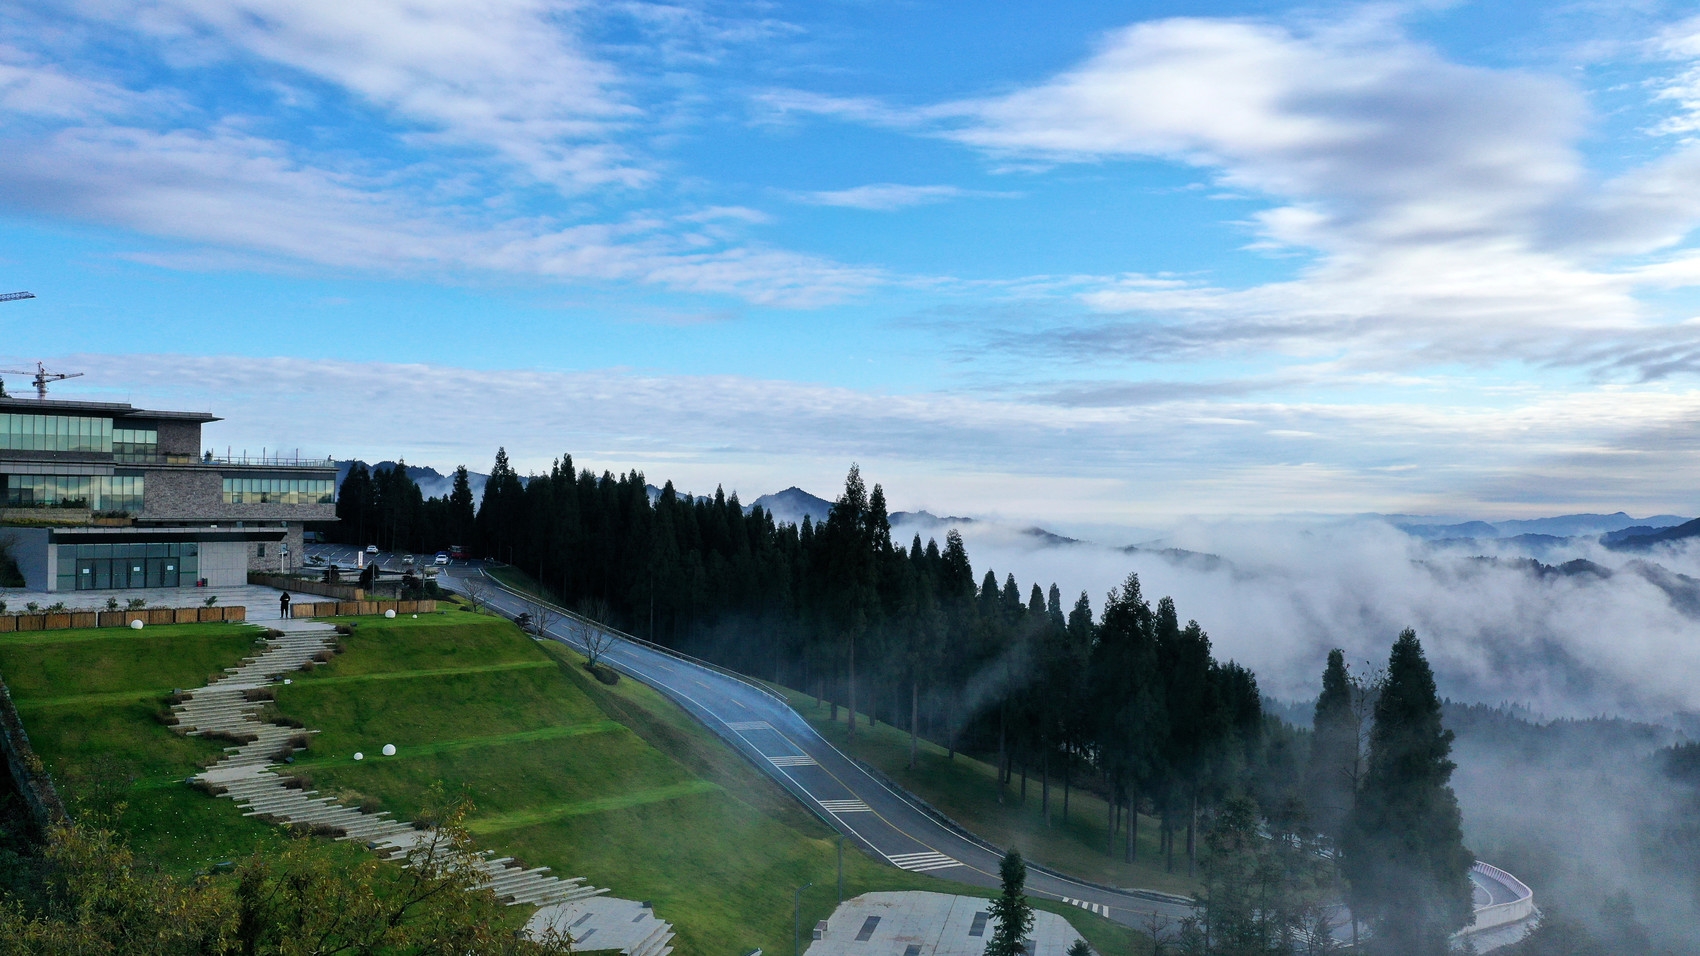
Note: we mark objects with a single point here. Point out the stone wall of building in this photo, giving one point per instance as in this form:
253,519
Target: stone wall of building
184,493
268,556
180,438
197,494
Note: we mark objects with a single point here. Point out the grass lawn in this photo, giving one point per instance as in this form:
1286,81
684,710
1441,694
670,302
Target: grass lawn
614,784
88,699
966,790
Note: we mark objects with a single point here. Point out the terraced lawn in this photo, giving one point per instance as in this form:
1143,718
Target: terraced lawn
614,784
88,700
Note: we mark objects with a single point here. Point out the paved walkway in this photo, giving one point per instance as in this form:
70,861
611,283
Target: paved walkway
928,924
246,775
261,602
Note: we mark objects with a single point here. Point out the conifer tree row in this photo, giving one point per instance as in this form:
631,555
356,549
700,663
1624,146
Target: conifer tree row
1131,705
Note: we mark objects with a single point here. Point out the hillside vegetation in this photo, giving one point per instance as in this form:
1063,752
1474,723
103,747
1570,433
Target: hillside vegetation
614,784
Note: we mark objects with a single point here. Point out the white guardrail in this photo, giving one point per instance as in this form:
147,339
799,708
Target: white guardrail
1502,914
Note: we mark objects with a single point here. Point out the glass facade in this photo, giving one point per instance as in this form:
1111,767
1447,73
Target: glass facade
140,444
99,492
92,567
279,491
21,432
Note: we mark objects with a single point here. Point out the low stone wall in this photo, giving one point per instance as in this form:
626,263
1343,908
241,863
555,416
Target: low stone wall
64,620
283,582
357,608
26,768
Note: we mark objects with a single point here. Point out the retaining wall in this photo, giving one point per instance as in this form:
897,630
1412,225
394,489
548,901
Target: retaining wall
353,608
26,768
63,620
283,582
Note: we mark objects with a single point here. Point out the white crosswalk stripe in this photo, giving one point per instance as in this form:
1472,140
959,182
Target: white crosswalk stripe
1098,908
744,726
798,760
921,862
845,806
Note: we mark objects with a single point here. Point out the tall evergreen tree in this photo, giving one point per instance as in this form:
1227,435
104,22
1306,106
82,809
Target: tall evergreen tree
1332,775
1405,856
1014,915
461,515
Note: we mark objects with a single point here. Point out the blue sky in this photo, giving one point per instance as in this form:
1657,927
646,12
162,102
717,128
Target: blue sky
1086,263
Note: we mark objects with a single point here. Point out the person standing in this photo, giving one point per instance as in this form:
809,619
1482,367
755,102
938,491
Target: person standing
283,605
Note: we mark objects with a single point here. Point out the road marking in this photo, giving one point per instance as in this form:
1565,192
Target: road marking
748,725
921,862
798,760
845,806
1098,908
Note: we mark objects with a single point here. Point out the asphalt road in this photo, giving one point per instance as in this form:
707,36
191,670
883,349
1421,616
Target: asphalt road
763,727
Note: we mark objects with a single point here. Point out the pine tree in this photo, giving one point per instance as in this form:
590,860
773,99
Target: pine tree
461,515
1405,856
1331,779
1014,915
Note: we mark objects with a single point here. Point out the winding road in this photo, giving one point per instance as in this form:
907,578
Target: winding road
763,727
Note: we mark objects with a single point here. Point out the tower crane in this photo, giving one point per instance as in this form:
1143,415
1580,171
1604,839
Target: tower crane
42,377
14,296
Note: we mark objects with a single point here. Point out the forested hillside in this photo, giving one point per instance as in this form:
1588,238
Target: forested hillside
1128,701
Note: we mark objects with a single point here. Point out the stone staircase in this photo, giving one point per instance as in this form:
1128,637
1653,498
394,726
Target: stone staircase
246,775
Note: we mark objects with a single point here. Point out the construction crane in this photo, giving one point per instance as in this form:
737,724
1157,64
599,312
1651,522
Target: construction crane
42,377
15,296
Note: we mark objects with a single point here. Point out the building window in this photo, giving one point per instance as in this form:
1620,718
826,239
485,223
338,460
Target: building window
20,431
135,444
279,491
97,492
259,550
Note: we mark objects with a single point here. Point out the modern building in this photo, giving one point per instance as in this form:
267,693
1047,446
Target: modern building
97,496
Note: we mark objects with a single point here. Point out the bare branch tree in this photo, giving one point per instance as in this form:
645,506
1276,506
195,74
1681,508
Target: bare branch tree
540,617
592,629
477,590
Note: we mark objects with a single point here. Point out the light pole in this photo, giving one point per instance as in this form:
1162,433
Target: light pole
797,921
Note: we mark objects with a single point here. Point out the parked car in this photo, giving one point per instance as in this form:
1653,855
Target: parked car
407,559
371,549
442,558
458,552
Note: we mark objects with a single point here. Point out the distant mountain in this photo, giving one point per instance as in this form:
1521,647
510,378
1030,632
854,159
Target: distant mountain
789,506
432,483
926,519
1563,526
1642,537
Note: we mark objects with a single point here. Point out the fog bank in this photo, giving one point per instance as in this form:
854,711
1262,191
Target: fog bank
1607,633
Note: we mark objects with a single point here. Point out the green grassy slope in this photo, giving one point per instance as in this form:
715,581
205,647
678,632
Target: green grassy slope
966,790
614,784
88,699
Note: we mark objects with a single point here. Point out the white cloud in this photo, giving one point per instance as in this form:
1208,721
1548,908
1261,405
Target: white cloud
510,76
884,197
1445,209
1609,447
243,193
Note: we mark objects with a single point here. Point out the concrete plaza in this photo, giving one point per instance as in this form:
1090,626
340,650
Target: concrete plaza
928,924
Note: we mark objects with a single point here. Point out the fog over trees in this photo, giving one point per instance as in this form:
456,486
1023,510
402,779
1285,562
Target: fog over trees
1122,695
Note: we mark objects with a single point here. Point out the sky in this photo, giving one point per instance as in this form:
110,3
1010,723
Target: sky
1090,264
